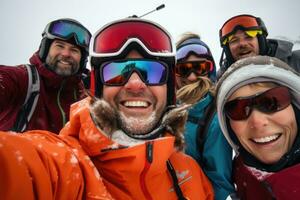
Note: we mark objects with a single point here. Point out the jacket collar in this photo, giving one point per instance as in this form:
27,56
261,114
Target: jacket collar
95,141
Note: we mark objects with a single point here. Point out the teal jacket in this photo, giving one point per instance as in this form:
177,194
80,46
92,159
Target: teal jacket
216,158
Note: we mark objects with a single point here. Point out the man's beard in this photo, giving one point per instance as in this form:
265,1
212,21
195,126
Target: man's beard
137,125
53,65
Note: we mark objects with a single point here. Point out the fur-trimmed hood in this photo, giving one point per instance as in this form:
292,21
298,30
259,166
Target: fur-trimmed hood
253,70
93,119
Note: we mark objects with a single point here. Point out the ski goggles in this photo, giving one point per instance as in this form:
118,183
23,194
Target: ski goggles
250,33
115,37
65,29
246,22
117,73
197,49
201,68
270,101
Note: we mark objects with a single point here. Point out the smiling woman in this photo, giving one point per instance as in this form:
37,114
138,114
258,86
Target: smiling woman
258,102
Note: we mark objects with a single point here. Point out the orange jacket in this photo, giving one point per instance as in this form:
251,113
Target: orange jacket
83,163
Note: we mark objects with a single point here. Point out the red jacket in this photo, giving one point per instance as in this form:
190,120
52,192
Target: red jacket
281,185
56,96
83,163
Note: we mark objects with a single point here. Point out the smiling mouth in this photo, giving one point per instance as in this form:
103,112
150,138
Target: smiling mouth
265,140
245,53
65,62
136,104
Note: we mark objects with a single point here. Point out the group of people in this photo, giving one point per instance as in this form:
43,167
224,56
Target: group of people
158,120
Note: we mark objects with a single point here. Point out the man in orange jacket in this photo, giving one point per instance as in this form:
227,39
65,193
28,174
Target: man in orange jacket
123,142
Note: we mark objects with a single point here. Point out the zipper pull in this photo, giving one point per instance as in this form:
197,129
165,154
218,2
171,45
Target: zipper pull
149,151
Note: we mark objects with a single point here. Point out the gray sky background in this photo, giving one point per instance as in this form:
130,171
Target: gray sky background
22,21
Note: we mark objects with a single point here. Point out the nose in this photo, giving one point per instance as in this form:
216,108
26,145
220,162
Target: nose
258,119
242,42
66,52
135,83
192,77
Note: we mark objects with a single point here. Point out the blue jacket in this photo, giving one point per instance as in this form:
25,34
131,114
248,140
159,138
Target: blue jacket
216,158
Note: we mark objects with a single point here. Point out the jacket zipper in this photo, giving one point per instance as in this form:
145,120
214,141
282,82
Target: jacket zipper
148,161
63,114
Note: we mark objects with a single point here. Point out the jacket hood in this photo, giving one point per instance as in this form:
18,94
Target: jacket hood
253,70
281,49
97,131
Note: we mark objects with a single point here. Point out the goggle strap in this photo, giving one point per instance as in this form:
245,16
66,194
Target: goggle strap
92,82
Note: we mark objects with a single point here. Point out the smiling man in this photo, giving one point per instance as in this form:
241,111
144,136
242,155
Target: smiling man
63,58
139,107
53,75
258,105
123,142
246,35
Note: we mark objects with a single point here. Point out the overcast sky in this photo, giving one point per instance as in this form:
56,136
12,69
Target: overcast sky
22,21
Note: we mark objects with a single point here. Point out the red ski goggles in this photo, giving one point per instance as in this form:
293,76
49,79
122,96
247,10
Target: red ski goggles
117,73
197,49
65,29
114,38
270,101
201,68
246,22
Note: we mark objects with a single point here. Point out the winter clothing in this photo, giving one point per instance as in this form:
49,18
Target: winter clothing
284,51
215,154
56,95
254,179
83,162
276,48
261,185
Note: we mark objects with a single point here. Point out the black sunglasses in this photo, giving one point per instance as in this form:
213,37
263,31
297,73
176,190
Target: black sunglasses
270,101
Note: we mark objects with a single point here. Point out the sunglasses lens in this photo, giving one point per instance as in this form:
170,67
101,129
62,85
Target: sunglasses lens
117,73
238,109
271,101
253,33
201,68
66,29
195,48
113,37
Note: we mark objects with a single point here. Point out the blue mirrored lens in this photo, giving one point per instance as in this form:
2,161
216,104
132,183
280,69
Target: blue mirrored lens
65,29
118,72
195,48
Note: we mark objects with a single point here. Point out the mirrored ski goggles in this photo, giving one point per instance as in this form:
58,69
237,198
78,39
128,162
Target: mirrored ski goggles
65,29
247,22
250,33
117,73
270,101
114,38
198,49
201,68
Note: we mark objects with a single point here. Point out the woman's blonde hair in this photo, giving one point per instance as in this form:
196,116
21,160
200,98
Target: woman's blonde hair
192,93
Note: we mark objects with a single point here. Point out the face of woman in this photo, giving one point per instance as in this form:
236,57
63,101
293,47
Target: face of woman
267,136
192,77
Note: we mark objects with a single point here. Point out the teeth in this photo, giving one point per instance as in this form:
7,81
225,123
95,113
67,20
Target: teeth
136,104
266,139
245,53
64,62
